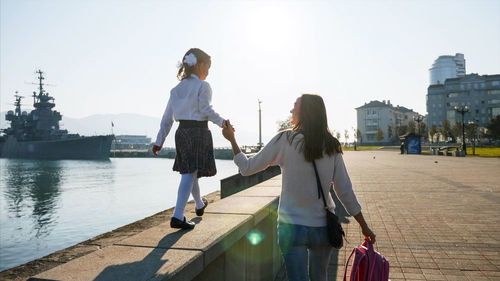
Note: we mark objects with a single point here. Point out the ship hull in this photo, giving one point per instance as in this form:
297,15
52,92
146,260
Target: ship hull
94,147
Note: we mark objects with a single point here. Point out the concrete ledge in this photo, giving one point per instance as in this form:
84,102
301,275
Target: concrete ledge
218,248
212,235
258,207
129,263
237,183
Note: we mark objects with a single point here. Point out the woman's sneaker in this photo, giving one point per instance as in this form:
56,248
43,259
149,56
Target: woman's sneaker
199,212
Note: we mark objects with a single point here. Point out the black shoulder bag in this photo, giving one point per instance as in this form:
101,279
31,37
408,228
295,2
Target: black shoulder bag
335,231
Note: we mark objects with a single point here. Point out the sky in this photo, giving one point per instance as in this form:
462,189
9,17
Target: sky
111,57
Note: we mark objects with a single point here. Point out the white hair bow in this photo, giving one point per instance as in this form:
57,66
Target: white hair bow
190,59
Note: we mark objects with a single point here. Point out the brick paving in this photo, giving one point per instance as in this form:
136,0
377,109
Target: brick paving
436,217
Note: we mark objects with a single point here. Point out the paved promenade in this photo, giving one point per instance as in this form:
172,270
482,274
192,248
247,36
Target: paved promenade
436,217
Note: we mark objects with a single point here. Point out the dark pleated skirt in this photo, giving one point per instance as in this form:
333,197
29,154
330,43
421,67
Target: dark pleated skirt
194,151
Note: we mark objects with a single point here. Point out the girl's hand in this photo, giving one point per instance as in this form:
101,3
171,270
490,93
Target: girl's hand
369,235
156,149
228,131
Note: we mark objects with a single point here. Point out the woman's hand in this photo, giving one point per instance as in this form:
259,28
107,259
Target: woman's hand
228,131
367,232
369,235
156,149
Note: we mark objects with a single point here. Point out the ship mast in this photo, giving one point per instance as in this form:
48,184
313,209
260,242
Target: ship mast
40,78
42,99
40,86
18,104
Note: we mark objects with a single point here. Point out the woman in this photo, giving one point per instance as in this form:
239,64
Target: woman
302,233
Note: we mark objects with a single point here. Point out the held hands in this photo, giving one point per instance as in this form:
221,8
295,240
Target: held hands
156,149
228,131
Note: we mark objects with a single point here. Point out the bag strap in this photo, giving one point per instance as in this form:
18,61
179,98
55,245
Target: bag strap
355,266
320,189
347,263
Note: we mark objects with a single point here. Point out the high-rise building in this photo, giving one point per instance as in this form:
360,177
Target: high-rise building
382,114
447,67
480,92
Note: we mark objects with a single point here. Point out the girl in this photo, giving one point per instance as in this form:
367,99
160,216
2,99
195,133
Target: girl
302,233
189,104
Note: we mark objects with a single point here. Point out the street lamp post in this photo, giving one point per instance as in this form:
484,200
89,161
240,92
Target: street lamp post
463,110
419,118
472,130
260,127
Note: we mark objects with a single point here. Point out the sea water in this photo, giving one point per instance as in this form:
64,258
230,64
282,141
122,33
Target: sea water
46,206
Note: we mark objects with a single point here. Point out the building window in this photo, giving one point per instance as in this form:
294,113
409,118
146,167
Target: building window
493,101
370,137
452,95
495,83
495,111
494,92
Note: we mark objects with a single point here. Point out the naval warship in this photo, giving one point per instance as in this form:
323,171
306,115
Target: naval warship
36,135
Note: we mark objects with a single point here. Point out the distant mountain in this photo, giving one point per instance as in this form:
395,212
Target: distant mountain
124,124
135,124
99,124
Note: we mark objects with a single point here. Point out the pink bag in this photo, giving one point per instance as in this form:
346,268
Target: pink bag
368,265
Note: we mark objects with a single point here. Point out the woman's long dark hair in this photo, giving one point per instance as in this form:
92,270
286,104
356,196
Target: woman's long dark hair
314,126
185,70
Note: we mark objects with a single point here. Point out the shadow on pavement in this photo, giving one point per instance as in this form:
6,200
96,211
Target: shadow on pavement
147,267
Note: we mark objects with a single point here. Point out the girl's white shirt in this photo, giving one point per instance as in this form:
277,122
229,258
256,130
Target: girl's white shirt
189,100
299,202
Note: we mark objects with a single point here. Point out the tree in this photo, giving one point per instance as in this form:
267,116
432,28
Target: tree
285,124
494,128
359,135
411,127
337,134
445,129
422,129
433,131
471,131
389,131
379,135
346,135
401,131
456,130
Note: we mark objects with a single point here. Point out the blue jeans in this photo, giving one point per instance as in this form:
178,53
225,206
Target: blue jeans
306,251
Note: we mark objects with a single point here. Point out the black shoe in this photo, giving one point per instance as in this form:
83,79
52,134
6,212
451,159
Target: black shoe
177,223
199,212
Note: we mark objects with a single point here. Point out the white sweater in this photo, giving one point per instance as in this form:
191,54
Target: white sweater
189,100
299,202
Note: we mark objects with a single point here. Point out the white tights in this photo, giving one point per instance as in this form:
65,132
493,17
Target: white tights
188,184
